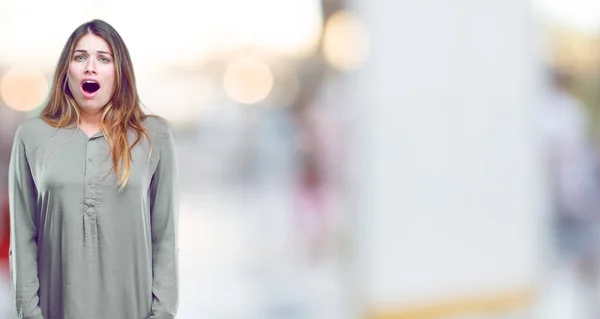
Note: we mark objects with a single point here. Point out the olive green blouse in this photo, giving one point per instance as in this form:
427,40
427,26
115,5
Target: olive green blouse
80,248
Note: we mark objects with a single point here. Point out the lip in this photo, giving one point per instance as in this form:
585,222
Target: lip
87,95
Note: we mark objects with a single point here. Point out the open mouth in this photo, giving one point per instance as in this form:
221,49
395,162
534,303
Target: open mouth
90,86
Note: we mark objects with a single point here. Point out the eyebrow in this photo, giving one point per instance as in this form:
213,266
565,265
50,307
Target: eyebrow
86,52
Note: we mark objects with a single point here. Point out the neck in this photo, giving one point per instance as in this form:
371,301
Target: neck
90,118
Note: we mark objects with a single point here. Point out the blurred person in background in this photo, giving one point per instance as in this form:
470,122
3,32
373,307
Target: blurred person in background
9,120
310,200
574,186
321,163
93,193
6,309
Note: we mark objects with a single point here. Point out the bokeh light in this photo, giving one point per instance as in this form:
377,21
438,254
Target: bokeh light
23,89
345,41
248,80
583,15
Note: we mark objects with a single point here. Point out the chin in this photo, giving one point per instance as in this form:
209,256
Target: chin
91,105
87,106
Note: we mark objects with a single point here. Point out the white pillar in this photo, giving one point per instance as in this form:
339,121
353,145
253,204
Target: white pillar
451,191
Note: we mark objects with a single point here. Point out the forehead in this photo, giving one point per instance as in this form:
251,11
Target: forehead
91,42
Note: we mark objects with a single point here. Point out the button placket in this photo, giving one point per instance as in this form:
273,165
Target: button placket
89,187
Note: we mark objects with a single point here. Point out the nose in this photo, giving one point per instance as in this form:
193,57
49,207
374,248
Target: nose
90,67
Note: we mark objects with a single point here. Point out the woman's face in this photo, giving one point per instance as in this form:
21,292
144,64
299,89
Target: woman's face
91,75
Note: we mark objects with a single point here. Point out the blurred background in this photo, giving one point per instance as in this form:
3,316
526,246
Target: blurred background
375,159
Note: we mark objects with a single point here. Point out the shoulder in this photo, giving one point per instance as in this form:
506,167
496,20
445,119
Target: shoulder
159,129
157,125
33,129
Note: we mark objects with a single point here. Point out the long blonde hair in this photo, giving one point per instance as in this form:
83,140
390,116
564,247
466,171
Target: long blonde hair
123,111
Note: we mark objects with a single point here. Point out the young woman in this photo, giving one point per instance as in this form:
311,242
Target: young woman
93,193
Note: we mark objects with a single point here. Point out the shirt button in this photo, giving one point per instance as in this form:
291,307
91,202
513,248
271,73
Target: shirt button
90,159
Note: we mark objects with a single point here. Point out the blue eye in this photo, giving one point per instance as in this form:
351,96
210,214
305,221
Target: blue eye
79,58
104,60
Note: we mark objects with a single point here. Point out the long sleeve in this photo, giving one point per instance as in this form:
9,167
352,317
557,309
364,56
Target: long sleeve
164,210
23,238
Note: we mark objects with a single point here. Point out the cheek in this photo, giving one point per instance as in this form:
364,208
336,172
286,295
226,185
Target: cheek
110,81
74,69
110,86
72,82
72,74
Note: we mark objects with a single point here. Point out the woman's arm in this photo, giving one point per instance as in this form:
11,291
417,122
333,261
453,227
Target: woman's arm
23,237
164,211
